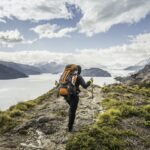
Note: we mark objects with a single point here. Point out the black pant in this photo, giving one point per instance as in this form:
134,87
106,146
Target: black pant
72,100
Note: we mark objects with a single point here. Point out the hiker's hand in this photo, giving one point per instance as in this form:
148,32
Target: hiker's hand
90,81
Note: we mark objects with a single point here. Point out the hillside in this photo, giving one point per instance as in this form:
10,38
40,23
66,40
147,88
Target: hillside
139,65
134,68
10,73
123,125
41,123
26,69
116,119
141,77
95,72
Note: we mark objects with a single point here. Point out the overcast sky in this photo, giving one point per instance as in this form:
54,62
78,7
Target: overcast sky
93,33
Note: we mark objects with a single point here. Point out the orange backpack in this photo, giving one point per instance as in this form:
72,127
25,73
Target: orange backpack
68,79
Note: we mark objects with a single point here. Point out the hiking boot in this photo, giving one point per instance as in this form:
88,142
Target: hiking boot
73,130
70,129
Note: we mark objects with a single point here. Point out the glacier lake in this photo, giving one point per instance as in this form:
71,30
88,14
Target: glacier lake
23,89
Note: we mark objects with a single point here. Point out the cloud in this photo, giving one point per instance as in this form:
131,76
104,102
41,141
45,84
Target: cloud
35,10
29,41
113,57
10,37
141,38
28,57
100,16
52,31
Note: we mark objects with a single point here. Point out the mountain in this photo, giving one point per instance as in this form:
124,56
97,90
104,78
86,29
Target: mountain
144,62
27,69
10,73
134,68
116,119
95,72
139,65
51,67
141,77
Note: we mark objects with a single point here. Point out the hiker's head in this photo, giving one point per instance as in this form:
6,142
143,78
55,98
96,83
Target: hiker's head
79,69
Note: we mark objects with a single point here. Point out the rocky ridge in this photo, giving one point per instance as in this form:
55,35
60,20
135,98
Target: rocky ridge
141,77
44,126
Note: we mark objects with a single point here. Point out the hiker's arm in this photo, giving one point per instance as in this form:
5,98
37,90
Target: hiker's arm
83,83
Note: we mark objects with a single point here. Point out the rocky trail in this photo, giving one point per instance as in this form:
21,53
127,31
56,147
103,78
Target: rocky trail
45,128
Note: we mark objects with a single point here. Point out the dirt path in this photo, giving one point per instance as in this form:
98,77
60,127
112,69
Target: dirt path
47,127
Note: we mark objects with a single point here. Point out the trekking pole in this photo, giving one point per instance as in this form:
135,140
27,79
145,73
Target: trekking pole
57,88
56,84
92,88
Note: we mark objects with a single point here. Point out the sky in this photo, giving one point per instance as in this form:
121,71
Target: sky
92,33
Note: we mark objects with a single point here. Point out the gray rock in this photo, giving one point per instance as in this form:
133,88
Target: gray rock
25,126
48,129
43,119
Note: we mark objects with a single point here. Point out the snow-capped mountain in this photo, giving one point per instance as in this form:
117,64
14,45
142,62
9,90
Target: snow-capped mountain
139,65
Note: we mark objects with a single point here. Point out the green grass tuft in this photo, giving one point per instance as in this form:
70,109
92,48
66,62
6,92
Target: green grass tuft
109,117
16,113
6,122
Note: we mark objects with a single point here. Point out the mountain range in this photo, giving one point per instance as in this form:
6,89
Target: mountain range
26,69
10,73
139,65
52,67
141,77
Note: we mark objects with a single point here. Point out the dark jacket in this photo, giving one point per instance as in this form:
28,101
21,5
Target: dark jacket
80,81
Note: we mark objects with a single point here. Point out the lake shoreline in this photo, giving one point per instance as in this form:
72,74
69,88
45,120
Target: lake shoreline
20,90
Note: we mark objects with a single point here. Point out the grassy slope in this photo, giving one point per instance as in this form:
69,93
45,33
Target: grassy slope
17,114
124,124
